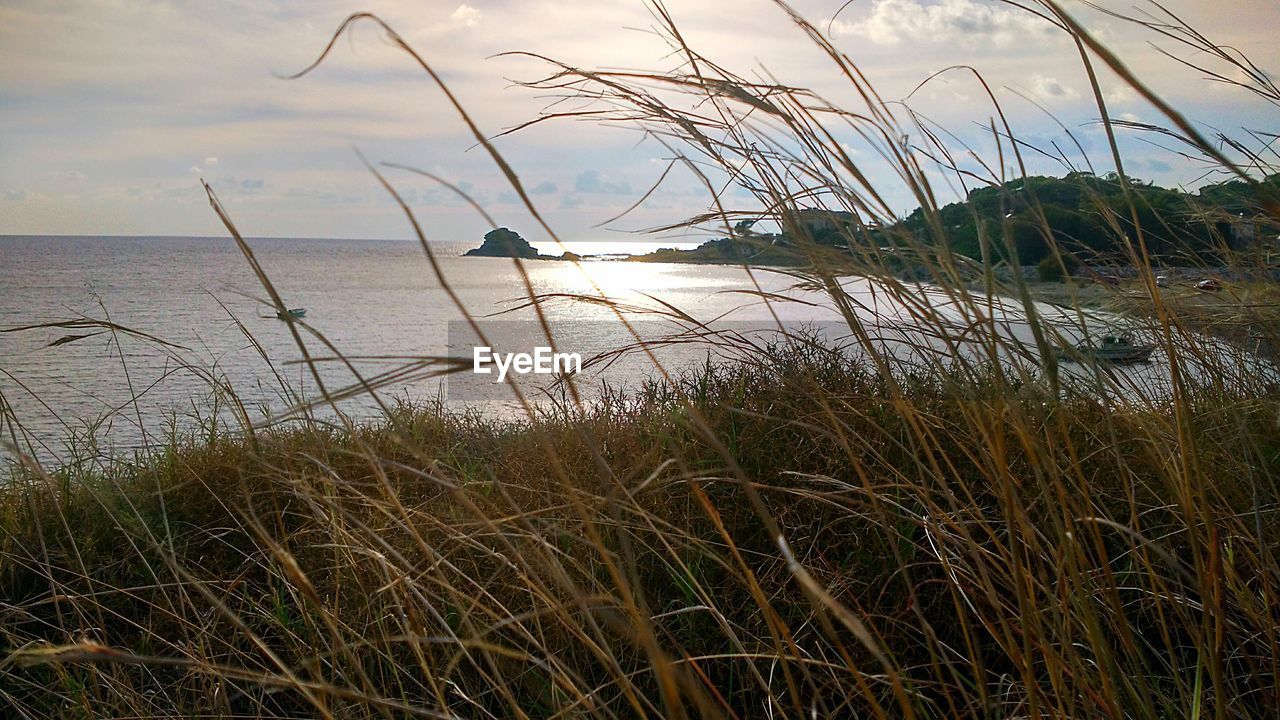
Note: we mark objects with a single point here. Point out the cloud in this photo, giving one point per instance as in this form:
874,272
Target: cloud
179,191
1119,94
509,197
1047,88
436,196
102,87
971,23
66,176
326,196
466,16
225,185
850,150
591,181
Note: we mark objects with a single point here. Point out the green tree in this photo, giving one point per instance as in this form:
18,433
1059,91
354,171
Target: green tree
1051,270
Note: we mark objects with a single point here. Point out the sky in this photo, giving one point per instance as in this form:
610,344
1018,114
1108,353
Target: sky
113,111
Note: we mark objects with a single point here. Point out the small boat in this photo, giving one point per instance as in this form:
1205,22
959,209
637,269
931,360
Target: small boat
1116,349
292,314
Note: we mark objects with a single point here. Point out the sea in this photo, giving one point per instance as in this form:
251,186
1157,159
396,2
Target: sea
119,339
108,344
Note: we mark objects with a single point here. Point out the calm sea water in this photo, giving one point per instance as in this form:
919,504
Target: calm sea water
378,302
368,298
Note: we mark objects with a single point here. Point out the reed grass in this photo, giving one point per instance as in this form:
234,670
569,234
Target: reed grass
805,533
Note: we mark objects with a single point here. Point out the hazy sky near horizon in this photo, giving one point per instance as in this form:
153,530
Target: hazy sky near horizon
112,111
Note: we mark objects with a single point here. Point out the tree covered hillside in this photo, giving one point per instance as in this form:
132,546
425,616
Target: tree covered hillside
1088,216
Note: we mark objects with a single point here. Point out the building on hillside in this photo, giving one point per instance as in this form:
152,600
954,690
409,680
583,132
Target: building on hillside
819,221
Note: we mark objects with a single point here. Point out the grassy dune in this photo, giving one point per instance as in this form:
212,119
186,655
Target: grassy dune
800,535
951,550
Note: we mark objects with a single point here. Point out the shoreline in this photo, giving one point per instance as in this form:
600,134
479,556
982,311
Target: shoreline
1234,314
1237,314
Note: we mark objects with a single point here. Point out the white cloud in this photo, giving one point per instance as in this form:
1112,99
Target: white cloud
1119,94
591,181
466,16
211,162
969,23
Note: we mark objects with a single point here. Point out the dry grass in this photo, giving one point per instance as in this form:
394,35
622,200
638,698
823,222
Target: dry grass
802,535
988,552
